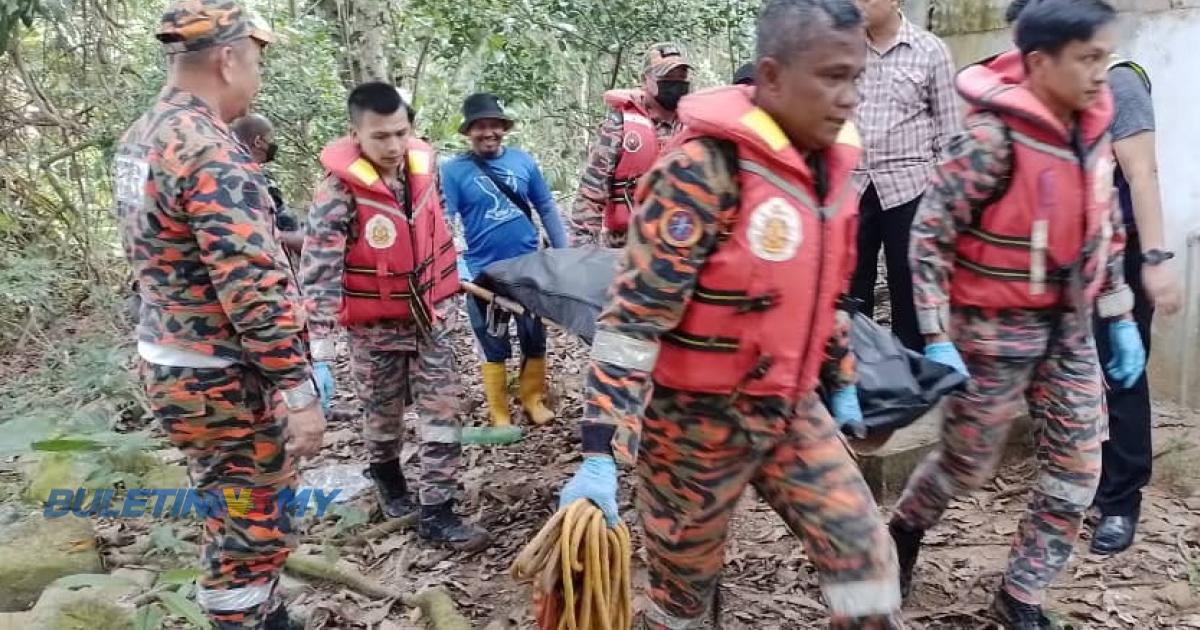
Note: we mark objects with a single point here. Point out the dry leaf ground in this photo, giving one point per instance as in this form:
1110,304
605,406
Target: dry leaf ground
768,583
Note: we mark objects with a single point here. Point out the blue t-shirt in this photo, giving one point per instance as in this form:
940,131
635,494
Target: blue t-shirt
494,227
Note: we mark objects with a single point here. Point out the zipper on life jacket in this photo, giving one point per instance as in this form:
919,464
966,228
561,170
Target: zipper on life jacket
420,313
1075,285
761,366
816,165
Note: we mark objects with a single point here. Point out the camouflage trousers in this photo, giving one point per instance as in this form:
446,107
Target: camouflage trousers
1054,370
698,454
225,422
383,379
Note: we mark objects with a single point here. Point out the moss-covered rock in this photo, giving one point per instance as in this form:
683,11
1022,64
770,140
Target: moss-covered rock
86,602
37,551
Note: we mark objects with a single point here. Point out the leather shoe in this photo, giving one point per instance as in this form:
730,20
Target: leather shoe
1114,534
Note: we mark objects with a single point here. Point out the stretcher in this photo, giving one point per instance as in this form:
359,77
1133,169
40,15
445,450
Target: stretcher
569,287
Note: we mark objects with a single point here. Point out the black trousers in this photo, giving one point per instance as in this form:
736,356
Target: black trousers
889,229
1129,452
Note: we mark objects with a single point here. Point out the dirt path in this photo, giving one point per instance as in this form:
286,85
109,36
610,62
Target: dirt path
768,583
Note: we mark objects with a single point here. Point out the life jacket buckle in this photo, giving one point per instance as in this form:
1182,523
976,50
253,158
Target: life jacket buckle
758,303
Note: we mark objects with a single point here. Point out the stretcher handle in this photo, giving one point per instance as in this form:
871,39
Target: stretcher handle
490,297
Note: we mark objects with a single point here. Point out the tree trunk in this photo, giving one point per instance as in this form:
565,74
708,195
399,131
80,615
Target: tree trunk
369,38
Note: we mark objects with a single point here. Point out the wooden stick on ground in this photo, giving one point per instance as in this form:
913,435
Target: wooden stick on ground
386,528
436,605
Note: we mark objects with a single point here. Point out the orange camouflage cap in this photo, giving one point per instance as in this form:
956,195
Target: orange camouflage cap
189,25
662,58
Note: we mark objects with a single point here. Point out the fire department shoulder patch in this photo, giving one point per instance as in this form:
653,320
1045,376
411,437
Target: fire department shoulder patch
679,227
380,232
775,232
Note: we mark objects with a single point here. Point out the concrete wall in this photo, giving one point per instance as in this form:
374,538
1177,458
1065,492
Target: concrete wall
1163,35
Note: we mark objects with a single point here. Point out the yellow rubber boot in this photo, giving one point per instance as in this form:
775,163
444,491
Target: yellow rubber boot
532,390
495,388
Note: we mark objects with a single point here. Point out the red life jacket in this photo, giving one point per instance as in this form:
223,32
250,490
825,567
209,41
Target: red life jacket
1044,243
764,304
639,150
399,262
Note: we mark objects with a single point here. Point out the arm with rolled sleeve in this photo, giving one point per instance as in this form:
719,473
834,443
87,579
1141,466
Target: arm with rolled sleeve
977,163
543,200
839,369
651,291
323,263
1116,298
587,213
237,246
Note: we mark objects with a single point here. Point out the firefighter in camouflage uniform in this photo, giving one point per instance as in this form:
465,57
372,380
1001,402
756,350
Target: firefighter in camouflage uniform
639,124
380,261
220,327
726,312
1014,246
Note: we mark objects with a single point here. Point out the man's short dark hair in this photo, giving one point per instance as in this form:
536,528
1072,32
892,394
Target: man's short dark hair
251,127
744,75
1049,25
375,96
1014,10
786,27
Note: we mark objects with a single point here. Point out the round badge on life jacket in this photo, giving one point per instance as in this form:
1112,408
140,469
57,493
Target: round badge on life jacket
632,142
380,232
775,230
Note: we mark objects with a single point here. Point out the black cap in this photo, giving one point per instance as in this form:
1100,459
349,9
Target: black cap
744,75
480,106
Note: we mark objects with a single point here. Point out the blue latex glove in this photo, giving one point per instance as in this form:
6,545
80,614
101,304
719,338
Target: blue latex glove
326,386
945,353
847,412
464,274
1128,353
596,480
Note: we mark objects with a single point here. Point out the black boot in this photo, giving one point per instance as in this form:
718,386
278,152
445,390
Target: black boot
391,489
278,619
1017,615
440,524
908,547
1114,534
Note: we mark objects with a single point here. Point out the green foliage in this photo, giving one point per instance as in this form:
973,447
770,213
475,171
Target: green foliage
181,606
14,13
82,387
304,97
163,538
75,75
148,617
179,577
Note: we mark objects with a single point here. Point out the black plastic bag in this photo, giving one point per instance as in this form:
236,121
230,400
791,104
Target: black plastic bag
565,286
896,386
569,287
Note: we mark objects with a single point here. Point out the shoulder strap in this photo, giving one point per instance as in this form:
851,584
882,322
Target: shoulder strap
512,195
503,187
1118,62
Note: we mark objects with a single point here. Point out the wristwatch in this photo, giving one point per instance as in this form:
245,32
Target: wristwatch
1155,257
301,396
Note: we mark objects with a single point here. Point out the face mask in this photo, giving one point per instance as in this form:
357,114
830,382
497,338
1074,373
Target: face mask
669,93
272,149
